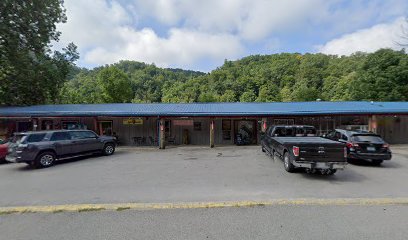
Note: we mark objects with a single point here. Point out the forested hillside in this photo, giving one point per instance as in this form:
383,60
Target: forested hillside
380,76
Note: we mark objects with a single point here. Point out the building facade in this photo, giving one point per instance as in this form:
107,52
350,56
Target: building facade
207,123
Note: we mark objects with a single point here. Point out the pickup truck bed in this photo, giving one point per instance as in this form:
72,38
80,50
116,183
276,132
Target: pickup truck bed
312,153
315,149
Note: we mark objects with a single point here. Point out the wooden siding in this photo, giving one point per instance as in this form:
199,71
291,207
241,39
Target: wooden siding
196,137
394,130
126,133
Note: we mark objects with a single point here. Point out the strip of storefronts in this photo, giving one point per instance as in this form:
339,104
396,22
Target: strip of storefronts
211,130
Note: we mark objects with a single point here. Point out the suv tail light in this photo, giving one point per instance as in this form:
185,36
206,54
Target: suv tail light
352,145
295,151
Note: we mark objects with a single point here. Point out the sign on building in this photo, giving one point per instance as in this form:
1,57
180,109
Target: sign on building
133,121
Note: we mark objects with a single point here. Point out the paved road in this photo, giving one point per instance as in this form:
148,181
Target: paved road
190,174
274,222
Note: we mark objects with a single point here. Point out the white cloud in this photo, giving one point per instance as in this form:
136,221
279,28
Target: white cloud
367,40
249,19
182,48
256,19
186,33
104,33
93,23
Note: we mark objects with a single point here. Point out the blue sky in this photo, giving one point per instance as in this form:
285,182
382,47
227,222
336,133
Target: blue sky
200,35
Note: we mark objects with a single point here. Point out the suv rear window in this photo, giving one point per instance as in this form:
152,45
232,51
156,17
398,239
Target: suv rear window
368,138
18,138
32,138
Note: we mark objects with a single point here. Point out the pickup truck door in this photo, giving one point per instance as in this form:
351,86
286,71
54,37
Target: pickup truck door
266,140
278,147
274,143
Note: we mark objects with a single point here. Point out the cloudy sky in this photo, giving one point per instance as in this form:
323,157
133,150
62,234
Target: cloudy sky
201,34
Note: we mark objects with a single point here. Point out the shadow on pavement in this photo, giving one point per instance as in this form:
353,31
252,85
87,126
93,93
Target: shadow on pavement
91,157
366,163
347,175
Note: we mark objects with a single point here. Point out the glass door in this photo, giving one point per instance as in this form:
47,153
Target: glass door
105,128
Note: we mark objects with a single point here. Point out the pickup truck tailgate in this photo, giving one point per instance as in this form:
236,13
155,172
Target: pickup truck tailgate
317,149
322,153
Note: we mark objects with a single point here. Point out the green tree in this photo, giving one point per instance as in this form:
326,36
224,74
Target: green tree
344,88
207,97
303,94
83,88
30,73
228,96
248,96
268,93
383,77
115,84
278,77
286,94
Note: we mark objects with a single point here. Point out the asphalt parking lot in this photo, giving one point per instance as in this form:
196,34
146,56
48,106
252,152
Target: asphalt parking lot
277,222
190,174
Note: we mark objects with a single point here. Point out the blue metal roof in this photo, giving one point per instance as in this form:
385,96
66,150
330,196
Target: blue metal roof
207,109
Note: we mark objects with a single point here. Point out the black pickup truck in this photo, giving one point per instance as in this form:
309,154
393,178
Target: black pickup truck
299,147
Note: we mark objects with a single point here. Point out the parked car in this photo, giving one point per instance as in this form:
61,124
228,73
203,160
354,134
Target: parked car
3,150
42,149
362,145
299,147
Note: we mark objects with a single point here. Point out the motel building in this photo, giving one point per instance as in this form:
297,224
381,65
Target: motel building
211,124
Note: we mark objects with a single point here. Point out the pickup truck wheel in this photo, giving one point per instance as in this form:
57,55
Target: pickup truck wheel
45,159
287,164
108,149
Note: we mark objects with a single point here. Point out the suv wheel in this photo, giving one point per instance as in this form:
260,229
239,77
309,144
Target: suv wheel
288,165
331,171
108,149
45,159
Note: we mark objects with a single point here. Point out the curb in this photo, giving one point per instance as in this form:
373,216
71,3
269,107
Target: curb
198,205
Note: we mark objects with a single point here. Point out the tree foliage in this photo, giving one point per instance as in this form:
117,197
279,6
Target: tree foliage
115,85
379,76
30,73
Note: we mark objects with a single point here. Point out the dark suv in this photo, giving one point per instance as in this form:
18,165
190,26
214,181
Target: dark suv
43,148
362,145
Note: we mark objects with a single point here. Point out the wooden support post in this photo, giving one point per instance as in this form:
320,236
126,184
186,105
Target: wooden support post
212,134
162,134
39,123
35,124
372,123
264,124
96,125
